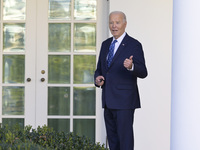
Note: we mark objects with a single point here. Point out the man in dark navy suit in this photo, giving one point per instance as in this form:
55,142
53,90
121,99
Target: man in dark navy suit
121,62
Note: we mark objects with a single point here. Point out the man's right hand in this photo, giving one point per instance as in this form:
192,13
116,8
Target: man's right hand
99,80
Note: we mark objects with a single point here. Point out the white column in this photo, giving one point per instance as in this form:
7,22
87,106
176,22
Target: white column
185,113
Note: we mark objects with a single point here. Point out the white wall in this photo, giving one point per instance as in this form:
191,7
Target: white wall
150,21
185,120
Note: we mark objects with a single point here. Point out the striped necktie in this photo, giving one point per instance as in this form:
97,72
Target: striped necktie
111,52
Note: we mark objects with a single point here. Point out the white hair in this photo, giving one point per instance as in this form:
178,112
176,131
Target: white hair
119,12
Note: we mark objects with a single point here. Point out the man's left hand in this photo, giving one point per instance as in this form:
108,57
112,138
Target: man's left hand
128,62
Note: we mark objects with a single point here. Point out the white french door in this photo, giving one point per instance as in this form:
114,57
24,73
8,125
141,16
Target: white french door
48,55
18,62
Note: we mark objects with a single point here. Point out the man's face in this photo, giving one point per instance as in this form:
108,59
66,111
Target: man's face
117,25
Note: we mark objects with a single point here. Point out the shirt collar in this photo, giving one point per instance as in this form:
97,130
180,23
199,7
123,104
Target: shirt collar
119,40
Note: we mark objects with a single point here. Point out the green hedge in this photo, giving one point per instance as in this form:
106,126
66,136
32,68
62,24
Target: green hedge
43,138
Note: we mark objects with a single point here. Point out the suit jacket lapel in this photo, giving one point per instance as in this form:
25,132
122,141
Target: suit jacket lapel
120,49
106,52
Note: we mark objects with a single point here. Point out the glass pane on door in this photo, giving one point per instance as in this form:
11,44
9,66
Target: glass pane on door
14,37
59,9
13,100
84,101
62,125
84,67
59,69
14,9
59,37
59,101
13,121
85,9
84,37
85,127
13,68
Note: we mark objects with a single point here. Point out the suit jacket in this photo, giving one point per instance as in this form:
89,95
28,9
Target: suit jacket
120,89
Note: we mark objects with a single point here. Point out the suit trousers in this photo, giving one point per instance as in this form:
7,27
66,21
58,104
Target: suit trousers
119,128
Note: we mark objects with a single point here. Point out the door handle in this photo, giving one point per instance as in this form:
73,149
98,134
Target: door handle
42,79
28,79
